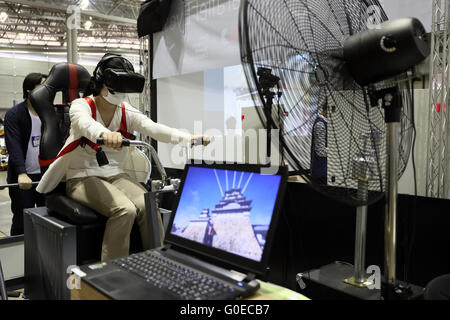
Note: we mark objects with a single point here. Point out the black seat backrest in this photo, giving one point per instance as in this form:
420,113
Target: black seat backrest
70,79
62,114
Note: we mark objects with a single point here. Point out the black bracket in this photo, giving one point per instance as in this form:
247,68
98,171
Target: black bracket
250,277
390,100
398,291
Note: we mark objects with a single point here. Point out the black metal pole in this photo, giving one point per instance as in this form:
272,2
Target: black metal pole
153,89
3,295
268,112
392,108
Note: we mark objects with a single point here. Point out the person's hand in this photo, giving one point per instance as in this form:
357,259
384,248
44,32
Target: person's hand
24,181
112,140
200,139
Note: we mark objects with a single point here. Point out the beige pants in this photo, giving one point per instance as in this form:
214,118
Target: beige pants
121,200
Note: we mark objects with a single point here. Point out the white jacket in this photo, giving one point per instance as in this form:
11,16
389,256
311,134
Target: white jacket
84,125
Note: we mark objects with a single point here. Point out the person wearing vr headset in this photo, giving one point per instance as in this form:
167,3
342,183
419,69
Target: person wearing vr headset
94,175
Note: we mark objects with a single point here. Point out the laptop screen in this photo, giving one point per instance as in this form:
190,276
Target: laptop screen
229,210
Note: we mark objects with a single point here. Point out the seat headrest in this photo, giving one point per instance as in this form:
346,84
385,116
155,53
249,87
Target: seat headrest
71,79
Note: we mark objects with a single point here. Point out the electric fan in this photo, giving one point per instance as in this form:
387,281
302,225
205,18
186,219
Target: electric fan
341,55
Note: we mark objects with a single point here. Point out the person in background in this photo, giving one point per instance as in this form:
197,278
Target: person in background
209,233
22,137
319,146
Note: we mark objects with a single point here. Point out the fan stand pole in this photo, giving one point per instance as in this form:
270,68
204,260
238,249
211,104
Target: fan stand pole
390,235
360,247
359,278
390,289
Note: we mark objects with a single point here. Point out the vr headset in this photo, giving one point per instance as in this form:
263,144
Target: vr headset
123,81
120,78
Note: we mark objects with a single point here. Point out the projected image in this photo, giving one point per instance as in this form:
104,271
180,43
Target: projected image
230,84
236,97
226,94
228,210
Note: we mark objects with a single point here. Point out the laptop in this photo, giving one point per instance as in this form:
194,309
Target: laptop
217,242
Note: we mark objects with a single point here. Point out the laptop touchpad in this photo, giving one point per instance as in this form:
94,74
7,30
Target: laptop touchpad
112,281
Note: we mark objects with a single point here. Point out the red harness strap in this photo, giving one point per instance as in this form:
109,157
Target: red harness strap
123,125
70,147
73,82
82,141
123,121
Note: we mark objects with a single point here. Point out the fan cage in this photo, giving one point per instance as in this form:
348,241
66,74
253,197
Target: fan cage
302,43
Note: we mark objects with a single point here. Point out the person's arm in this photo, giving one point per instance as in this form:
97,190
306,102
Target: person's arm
14,147
13,143
320,135
139,122
83,123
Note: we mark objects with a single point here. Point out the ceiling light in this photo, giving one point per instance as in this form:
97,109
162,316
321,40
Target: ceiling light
3,16
84,4
88,24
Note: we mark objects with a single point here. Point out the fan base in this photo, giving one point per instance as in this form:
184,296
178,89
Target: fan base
364,284
327,283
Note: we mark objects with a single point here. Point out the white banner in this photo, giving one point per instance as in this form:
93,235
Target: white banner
199,35
419,9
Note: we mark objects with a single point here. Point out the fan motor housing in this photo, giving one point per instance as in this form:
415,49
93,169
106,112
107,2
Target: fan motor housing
388,50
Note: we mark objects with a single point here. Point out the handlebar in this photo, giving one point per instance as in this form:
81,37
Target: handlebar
125,142
128,143
16,185
134,143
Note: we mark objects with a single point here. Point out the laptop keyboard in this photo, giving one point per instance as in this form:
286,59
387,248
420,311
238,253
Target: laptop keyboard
180,280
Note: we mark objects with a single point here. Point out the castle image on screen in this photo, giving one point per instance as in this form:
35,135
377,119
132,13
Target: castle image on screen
228,224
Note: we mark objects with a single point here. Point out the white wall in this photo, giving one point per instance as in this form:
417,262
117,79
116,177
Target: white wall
421,116
180,105
14,66
12,74
420,9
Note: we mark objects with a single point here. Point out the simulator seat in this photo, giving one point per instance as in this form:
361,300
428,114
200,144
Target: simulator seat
69,79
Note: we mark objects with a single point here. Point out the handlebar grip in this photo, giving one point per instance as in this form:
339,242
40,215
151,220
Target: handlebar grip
200,141
197,142
125,142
